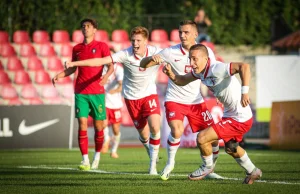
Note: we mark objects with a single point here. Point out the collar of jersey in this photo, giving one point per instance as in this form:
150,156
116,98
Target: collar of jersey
207,68
137,58
183,51
88,43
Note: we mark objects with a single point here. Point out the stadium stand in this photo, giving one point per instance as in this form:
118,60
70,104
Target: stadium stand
34,64
60,36
7,50
27,50
14,64
28,92
21,36
21,77
8,92
174,36
40,37
42,77
4,37
46,50
119,36
77,36
159,38
4,78
66,50
101,35
1,66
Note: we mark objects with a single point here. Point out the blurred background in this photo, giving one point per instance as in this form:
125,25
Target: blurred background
36,37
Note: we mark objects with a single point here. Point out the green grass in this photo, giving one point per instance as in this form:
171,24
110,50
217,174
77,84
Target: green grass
55,171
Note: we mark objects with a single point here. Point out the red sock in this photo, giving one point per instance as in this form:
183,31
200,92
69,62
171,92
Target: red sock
99,139
83,141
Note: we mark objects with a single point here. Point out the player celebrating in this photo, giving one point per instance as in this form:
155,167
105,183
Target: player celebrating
237,119
182,101
139,89
89,91
113,102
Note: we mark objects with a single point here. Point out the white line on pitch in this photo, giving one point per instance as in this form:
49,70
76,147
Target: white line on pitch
174,175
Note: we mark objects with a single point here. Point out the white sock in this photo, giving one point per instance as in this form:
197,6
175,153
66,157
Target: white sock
154,148
106,134
172,147
215,150
207,160
85,158
145,144
97,156
116,143
245,163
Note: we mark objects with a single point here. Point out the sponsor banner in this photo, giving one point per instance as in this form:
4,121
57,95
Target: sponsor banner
285,125
277,79
34,126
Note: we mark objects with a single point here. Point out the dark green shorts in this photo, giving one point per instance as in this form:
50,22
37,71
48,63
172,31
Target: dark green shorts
90,104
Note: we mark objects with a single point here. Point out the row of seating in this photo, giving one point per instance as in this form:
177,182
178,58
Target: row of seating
62,36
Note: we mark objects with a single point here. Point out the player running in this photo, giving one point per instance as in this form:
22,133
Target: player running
89,91
182,100
237,119
139,89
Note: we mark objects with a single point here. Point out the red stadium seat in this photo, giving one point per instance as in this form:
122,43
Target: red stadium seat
42,77
35,101
21,77
4,78
8,92
21,36
120,36
29,92
47,50
15,102
66,50
14,64
41,36
101,35
65,80
60,36
1,66
68,91
54,64
174,37
27,50
161,77
34,64
77,36
7,50
4,37
48,91
159,35
162,45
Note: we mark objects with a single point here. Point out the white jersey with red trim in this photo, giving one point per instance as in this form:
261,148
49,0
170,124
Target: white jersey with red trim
138,82
178,58
226,87
114,101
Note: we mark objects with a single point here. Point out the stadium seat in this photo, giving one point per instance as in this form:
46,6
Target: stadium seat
68,91
102,35
48,91
47,50
1,66
14,64
77,36
54,64
65,80
42,77
21,36
174,36
21,77
8,92
119,36
4,78
29,92
35,101
15,102
4,37
161,77
162,45
60,36
34,64
159,35
7,50
41,36
27,50
66,50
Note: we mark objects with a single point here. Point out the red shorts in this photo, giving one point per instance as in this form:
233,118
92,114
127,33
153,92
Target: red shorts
229,128
140,109
113,115
197,114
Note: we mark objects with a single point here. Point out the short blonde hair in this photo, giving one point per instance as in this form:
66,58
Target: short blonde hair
140,30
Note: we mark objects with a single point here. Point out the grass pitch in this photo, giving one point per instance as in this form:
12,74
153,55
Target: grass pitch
55,171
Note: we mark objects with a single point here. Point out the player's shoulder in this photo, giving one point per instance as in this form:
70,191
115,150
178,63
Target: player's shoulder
100,44
78,46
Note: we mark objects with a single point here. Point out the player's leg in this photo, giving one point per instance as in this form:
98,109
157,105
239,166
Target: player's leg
106,143
81,113
116,140
98,112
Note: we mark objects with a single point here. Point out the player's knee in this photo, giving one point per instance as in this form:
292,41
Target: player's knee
231,146
201,139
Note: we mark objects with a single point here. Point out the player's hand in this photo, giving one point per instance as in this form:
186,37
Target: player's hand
168,70
245,100
157,59
112,91
54,80
68,64
104,80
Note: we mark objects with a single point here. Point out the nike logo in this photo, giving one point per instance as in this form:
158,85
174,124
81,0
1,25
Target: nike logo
176,60
209,123
152,110
27,130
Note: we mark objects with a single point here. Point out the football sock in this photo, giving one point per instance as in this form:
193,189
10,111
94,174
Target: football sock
207,160
172,147
83,142
106,134
245,163
145,144
116,143
97,156
85,158
215,150
99,138
154,147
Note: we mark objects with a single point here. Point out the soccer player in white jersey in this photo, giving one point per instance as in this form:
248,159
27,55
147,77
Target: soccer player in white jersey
237,119
139,89
113,103
182,100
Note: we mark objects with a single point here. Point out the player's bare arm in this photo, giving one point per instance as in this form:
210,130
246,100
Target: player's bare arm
63,74
244,71
118,89
105,77
89,62
151,61
180,80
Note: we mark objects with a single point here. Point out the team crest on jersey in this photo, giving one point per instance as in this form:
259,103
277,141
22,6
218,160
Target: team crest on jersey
171,114
100,109
188,69
93,50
